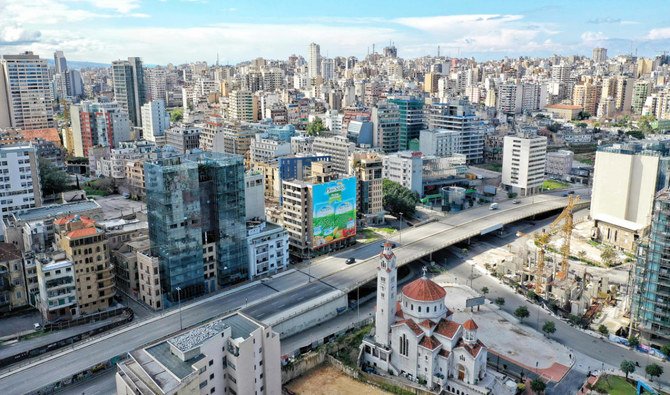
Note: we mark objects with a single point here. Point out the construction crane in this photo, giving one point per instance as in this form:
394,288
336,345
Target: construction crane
542,239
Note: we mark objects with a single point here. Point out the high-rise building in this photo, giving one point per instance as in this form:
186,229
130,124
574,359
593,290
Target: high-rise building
650,306
196,202
586,95
641,90
411,119
624,94
386,126
231,355
156,78
21,179
97,125
129,88
633,173
339,148
155,120
314,63
457,115
60,63
510,98
328,69
243,106
524,160
25,92
368,168
599,55
430,82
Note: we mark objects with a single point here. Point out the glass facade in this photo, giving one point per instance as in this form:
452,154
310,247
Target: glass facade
193,200
411,119
651,299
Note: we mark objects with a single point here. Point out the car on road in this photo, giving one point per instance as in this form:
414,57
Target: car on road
493,206
516,201
350,261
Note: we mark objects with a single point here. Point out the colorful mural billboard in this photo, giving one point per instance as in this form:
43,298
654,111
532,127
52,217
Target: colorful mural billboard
333,211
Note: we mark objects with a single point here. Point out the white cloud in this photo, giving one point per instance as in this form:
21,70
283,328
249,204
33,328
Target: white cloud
120,6
590,37
659,34
13,35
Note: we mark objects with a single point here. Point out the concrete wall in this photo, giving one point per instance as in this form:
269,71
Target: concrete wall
307,315
632,179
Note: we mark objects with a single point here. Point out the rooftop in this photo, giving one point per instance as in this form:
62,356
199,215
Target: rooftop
55,210
195,337
424,290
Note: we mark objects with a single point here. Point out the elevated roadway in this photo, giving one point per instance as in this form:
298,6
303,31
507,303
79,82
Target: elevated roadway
283,292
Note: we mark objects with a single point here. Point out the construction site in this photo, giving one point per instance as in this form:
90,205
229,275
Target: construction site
560,266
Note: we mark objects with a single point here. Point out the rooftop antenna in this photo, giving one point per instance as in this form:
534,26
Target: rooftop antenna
373,49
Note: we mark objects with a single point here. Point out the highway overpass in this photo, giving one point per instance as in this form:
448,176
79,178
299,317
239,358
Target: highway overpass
269,299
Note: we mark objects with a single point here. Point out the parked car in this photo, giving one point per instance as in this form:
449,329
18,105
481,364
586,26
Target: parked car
350,261
516,201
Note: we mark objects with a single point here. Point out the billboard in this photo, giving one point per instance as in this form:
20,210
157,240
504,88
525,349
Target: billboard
333,211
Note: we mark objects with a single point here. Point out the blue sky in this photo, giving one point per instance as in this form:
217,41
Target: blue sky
177,31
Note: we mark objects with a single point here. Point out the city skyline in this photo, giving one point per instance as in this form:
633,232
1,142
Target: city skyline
164,32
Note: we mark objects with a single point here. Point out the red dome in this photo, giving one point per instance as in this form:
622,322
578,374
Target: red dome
424,290
470,325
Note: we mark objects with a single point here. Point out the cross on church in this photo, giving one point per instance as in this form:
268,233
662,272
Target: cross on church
424,270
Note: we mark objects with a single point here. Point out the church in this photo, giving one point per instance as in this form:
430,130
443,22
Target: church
416,338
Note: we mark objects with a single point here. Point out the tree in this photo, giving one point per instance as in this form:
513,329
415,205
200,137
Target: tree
500,301
636,133
627,367
521,312
485,290
549,327
53,179
315,127
633,341
538,386
608,255
582,115
398,199
581,255
653,370
531,295
554,127
644,123
176,115
603,330
665,349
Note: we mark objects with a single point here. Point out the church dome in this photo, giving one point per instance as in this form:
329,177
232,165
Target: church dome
424,290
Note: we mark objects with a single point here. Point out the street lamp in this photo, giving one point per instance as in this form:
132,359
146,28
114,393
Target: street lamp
181,325
400,229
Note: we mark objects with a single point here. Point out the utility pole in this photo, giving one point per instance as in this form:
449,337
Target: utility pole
400,229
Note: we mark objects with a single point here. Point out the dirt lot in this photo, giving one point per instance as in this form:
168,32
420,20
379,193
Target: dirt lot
326,380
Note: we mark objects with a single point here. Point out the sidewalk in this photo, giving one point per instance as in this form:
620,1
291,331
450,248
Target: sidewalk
503,336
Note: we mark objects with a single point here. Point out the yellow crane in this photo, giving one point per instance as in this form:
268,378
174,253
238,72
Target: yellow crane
542,239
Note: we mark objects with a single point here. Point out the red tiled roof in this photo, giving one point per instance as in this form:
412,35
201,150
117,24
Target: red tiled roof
430,342
69,218
424,290
563,107
398,310
84,232
470,325
50,134
412,325
426,324
474,349
447,328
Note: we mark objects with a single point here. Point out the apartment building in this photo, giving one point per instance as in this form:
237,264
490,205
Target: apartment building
405,168
57,287
13,292
228,356
25,92
19,179
368,168
184,137
85,246
456,115
267,244
524,161
339,148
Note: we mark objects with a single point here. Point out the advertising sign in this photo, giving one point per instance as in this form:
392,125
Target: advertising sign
333,211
